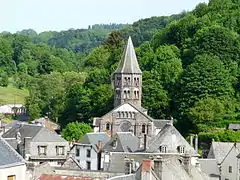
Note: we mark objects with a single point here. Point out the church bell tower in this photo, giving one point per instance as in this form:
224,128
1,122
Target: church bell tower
127,78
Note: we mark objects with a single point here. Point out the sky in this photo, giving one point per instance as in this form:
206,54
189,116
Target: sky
45,15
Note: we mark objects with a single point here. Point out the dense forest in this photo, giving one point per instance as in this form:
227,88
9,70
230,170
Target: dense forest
190,63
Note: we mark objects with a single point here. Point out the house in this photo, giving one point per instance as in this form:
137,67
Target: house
234,126
12,165
226,154
128,115
87,152
13,109
45,122
37,144
165,166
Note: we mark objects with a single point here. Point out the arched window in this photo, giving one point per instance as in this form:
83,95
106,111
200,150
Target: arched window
136,93
144,128
118,93
125,94
126,114
118,81
108,126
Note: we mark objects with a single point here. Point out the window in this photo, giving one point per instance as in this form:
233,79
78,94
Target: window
118,94
124,94
114,144
88,164
125,80
108,126
128,94
181,149
163,149
230,169
118,82
77,152
144,128
60,150
136,81
136,94
42,150
12,177
89,153
59,163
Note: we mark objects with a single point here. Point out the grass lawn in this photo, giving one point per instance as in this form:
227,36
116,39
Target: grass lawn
12,95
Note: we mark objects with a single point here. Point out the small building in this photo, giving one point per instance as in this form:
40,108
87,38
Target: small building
226,154
12,165
234,126
87,151
37,144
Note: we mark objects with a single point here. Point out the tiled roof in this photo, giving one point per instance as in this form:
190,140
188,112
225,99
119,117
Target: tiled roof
129,63
8,156
57,177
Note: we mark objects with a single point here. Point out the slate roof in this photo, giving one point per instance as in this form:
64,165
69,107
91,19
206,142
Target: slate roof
170,137
36,132
126,142
210,167
219,150
93,138
71,163
234,126
160,123
129,63
8,156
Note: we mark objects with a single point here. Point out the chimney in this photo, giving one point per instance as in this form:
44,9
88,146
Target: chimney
146,169
99,146
26,145
186,162
196,143
191,140
158,165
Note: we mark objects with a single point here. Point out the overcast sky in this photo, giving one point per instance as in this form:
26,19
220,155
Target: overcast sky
42,15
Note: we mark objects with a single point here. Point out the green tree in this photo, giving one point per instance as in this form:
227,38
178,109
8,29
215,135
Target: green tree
3,79
75,130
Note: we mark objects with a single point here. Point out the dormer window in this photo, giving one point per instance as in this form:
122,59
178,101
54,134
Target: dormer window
114,144
108,126
181,149
163,149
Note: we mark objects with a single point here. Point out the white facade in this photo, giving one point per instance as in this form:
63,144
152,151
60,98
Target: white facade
85,154
18,171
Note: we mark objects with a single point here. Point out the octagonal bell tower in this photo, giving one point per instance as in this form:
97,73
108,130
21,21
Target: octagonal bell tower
127,78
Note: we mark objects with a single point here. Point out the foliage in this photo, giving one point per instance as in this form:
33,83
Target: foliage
75,130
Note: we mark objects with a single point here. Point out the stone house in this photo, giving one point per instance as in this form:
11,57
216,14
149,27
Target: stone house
12,165
226,154
37,144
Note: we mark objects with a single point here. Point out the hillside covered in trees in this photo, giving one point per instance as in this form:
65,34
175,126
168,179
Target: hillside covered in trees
190,65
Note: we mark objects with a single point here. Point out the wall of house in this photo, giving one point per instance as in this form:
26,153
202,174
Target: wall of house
82,158
51,152
230,160
18,171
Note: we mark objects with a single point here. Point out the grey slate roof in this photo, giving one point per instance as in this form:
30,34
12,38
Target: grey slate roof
36,132
93,138
129,63
160,123
71,163
126,142
234,126
219,150
210,167
8,156
170,137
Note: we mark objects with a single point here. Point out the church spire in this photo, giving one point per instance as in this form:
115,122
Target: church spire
128,78
129,63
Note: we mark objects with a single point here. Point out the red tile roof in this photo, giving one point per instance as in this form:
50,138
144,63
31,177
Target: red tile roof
57,177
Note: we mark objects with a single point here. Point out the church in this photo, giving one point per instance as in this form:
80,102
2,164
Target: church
128,115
